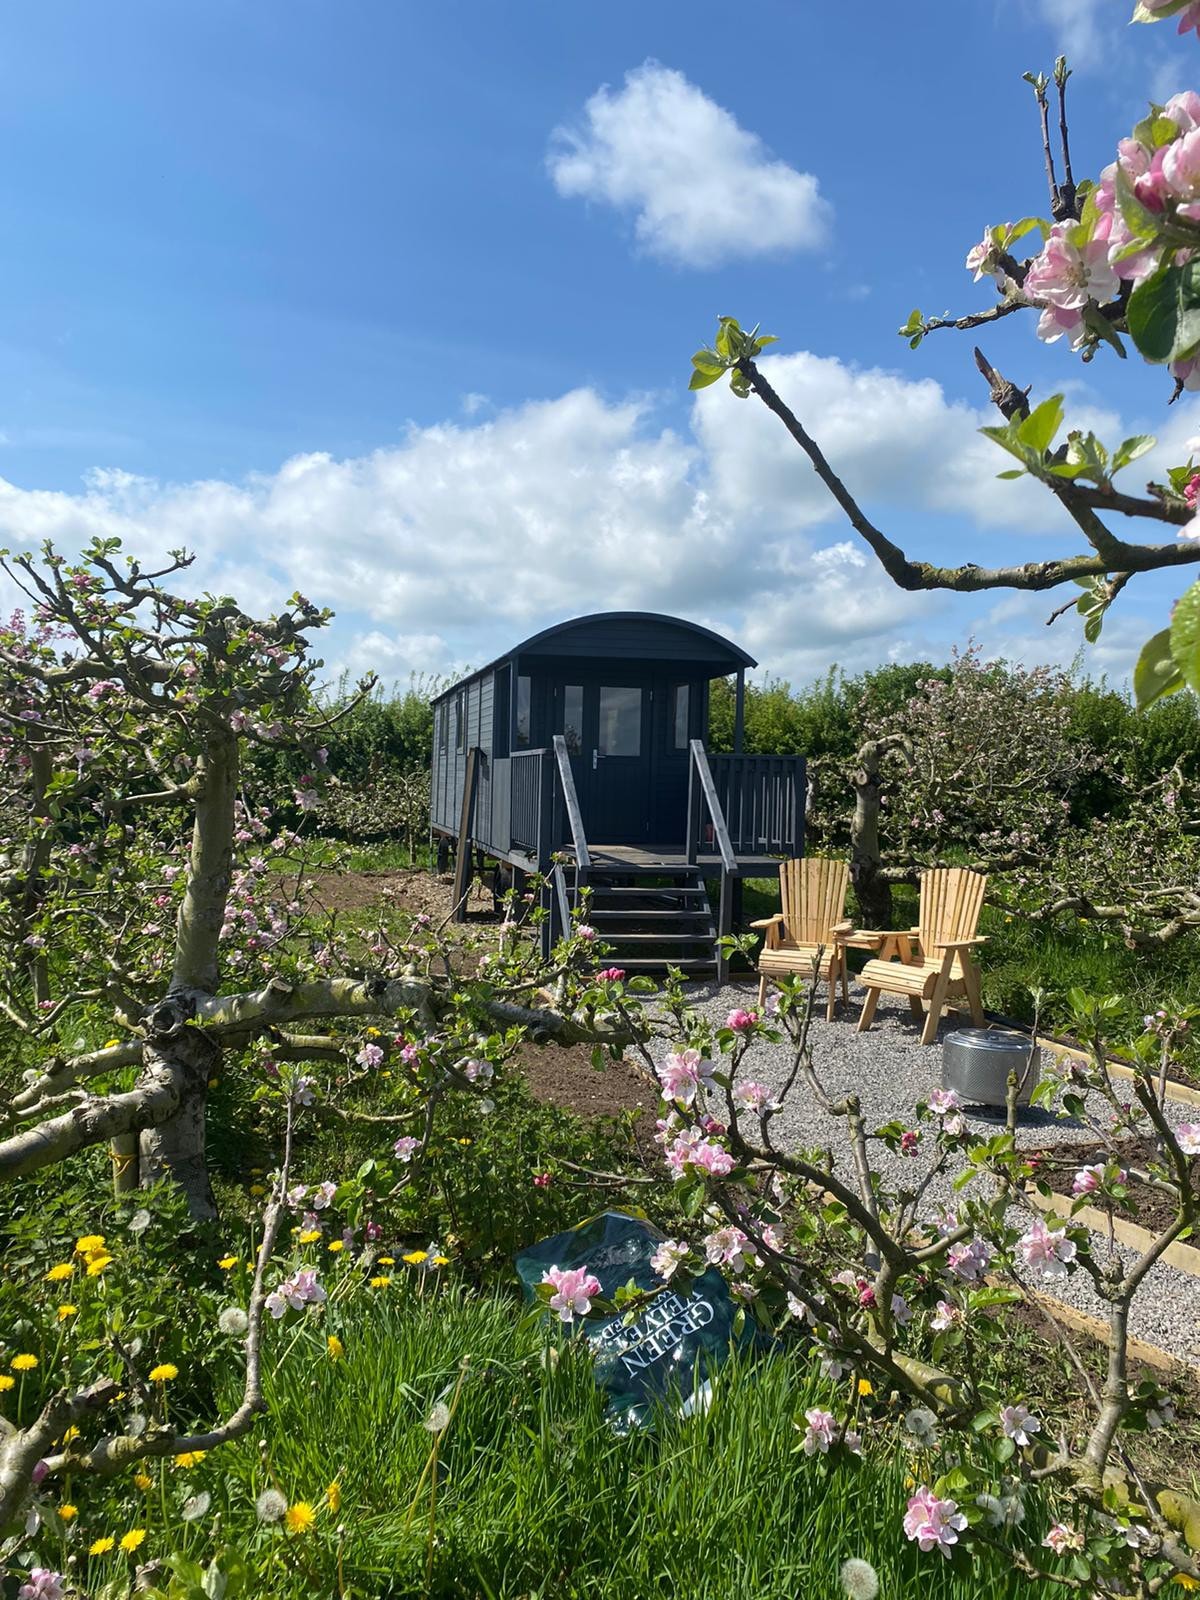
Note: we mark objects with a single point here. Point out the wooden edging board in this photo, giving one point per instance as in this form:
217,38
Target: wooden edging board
1183,1257
1181,1093
1149,1355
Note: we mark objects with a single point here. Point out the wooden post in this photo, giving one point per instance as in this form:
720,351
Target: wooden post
739,712
547,840
724,924
462,854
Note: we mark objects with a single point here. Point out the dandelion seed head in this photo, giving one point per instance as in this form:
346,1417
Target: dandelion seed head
859,1579
270,1505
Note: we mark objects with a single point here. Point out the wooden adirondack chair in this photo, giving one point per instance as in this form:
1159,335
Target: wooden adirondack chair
812,892
931,963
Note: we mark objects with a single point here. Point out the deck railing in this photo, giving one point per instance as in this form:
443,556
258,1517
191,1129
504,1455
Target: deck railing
762,799
528,814
570,802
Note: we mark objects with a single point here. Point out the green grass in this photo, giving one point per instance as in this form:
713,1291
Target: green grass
537,1496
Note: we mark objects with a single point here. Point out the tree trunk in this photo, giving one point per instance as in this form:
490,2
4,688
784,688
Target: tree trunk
176,1148
871,889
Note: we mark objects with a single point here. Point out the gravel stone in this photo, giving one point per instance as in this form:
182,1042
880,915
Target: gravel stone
890,1070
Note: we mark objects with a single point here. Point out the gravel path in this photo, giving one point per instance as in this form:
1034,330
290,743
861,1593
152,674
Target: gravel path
890,1070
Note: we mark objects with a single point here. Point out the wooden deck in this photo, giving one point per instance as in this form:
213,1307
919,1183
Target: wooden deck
650,858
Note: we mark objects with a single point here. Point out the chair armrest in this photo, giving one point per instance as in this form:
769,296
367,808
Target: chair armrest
960,944
839,928
884,933
768,922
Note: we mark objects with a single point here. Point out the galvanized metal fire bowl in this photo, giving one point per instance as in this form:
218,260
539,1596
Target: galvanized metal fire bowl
976,1063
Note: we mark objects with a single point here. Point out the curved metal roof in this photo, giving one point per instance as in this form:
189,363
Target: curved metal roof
707,647
722,648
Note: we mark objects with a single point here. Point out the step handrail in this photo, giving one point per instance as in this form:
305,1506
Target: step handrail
708,789
566,779
558,880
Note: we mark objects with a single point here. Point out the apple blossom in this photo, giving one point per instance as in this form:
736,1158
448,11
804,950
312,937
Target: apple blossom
1187,1136
669,1257
404,1148
1019,1424
1046,1253
935,1524
944,1316
574,1290
682,1074
1060,1539
729,1247
712,1158
969,1260
819,1434
42,1584
1068,275
755,1097
741,1021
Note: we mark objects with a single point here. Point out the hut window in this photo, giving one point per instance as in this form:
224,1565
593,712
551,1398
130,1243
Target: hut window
501,711
573,717
442,725
460,731
522,740
682,703
620,721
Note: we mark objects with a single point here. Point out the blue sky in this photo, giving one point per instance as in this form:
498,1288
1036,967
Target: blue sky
394,303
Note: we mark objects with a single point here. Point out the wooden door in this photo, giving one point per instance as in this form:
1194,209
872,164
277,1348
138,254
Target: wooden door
617,724
676,708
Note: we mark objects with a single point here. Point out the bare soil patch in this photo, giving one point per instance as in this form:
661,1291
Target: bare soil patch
409,889
568,1079
1058,1164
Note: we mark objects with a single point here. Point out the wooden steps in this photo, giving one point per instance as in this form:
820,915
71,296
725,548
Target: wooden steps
654,917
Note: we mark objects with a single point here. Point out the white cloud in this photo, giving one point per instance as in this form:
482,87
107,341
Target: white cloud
704,190
1080,28
441,550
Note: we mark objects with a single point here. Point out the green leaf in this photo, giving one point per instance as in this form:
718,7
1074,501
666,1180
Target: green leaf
1156,673
1163,316
1141,222
701,378
1007,438
1039,427
1185,636
1012,472
1130,449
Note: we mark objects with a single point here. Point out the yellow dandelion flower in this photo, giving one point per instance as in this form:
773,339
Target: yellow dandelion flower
257,1188
335,1347
372,1033
387,1261
466,1141
333,1497
90,1244
226,1262
440,1261
131,1540
865,1387
111,1044
190,1458
416,1257
67,1311
101,1547
68,1513
6,1382
62,1270
96,1264
71,1433
310,1235
381,1282
143,1480
335,1245
25,1363
1185,1580
164,1372
300,1518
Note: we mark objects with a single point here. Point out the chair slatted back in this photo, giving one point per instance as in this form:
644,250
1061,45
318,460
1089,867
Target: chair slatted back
812,893
951,900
